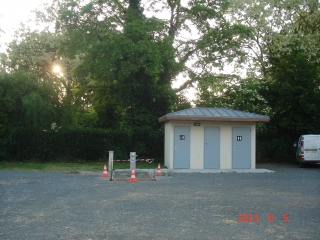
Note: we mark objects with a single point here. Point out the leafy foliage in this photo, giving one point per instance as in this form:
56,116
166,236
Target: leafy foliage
234,93
24,102
294,94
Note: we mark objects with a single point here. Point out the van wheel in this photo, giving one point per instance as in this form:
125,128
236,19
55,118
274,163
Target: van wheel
301,165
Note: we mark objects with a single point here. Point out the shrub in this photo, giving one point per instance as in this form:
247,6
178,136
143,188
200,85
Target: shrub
78,144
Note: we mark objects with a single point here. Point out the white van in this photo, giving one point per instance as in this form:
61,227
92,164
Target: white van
308,149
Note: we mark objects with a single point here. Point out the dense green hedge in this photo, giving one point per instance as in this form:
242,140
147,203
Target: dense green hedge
275,148
77,144
74,144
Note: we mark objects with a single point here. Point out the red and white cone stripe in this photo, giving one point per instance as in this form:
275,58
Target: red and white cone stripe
105,172
133,176
158,174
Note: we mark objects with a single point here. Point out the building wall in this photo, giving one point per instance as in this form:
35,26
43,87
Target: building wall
197,142
168,144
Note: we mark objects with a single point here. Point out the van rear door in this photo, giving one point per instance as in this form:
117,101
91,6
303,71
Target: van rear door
311,147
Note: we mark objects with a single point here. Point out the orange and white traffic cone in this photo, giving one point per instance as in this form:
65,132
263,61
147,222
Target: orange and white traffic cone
159,174
133,176
105,172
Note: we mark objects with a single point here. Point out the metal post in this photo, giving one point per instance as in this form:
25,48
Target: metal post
133,160
111,161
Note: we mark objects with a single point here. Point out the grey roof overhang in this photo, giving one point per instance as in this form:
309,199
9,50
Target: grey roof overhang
214,115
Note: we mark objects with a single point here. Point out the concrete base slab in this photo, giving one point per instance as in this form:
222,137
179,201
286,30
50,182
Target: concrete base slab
168,171
125,175
148,174
216,171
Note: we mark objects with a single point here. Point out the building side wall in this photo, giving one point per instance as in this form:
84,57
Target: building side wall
168,144
197,142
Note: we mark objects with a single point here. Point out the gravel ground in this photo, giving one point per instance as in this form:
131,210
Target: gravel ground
41,205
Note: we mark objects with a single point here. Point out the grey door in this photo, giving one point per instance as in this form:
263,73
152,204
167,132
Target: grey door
211,147
181,156
241,147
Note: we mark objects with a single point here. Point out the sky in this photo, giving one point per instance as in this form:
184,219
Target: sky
12,13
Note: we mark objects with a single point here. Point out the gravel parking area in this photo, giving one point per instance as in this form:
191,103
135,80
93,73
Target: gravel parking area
283,205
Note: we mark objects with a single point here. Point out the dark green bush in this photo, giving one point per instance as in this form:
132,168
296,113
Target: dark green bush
275,148
77,144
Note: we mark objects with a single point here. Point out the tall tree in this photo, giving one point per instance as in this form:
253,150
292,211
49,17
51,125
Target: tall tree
266,19
293,86
131,64
272,27
119,42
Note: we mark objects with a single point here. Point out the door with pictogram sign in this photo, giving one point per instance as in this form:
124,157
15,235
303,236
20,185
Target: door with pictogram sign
181,155
211,147
241,147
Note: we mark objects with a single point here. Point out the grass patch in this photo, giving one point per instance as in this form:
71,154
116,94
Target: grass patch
52,167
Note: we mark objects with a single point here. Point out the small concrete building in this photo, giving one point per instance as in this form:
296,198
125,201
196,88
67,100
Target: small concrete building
211,138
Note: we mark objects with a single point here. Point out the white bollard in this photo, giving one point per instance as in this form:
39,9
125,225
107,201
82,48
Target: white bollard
133,160
111,161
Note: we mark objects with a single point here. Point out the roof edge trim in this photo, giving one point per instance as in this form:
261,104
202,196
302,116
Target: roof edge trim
213,119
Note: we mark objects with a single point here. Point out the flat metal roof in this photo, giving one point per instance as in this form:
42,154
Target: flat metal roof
214,114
